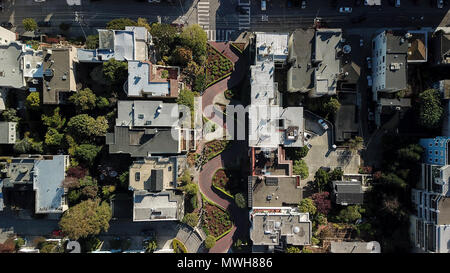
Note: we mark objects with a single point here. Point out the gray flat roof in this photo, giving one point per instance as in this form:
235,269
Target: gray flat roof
275,191
156,206
355,247
345,124
7,132
143,142
348,192
299,75
147,114
271,228
11,73
48,184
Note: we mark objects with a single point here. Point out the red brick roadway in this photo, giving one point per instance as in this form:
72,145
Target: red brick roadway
239,216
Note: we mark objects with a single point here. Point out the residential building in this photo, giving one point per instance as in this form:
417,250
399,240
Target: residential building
300,70
150,80
8,132
386,108
6,36
272,227
389,62
145,128
347,193
270,124
59,74
441,46
315,64
355,247
153,181
417,46
123,45
436,150
346,125
42,175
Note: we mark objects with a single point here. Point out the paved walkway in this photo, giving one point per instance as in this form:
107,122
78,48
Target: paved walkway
239,216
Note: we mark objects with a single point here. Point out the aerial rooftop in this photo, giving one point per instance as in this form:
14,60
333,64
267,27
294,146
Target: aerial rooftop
147,113
160,206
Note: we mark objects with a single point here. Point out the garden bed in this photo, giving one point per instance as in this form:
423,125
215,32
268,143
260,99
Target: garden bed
215,221
217,66
239,46
221,180
178,247
214,148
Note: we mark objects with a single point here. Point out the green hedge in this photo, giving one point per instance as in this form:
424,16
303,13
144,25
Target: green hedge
219,188
177,244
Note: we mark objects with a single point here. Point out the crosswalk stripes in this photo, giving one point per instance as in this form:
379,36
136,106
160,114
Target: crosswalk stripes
203,14
244,19
220,35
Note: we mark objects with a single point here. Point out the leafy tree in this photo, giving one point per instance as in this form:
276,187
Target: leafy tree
356,143
29,24
300,168
89,192
195,38
186,97
191,189
108,191
10,115
182,56
307,205
297,153
84,126
33,101
191,71
350,214
27,145
199,83
56,121
120,23
431,110
84,99
332,106
102,102
124,179
142,22
71,182
87,153
240,200
412,153
322,202
293,249
92,41
88,181
74,196
320,219
115,72
87,218
163,36
191,219
77,172
210,242
151,246
53,137
393,180
321,179
336,174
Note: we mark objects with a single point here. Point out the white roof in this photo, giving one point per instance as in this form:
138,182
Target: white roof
139,82
147,114
273,43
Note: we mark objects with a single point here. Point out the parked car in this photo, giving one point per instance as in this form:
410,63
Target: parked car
263,5
323,124
7,25
264,18
361,42
307,136
369,62
397,3
309,146
345,10
369,80
303,4
44,24
440,4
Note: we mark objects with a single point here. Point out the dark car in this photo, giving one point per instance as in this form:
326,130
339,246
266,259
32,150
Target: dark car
358,19
241,10
7,25
44,24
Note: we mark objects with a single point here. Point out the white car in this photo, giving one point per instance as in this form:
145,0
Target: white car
303,4
397,3
361,42
263,5
440,4
369,62
345,10
264,18
369,80
323,124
